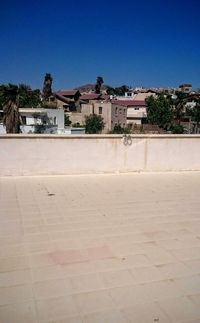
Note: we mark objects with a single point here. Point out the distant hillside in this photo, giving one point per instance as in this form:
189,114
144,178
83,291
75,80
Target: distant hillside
90,88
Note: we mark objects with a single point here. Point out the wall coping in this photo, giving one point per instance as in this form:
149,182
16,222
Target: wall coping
94,136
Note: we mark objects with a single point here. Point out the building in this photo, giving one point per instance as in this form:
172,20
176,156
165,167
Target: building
186,88
68,100
112,114
39,120
136,110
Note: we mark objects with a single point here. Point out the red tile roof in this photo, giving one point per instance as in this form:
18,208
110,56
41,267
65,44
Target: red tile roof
129,103
67,92
92,96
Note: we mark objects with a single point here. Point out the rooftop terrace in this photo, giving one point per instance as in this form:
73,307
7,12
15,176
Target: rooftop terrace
100,248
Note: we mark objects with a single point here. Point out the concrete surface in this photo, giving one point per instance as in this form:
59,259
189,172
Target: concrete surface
84,154
100,249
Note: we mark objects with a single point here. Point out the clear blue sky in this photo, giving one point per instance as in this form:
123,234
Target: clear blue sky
138,43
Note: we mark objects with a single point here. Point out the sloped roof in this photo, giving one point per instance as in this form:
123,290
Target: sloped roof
92,96
129,103
67,92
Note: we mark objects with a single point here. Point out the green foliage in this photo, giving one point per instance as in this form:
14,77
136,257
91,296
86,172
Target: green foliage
194,113
179,106
67,121
94,124
21,94
117,90
118,129
28,98
177,129
160,111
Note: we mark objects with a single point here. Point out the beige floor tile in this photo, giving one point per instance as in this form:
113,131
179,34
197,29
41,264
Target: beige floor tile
186,253
188,285
14,263
109,316
75,319
18,313
160,290
86,283
77,269
144,313
51,288
174,270
146,274
129,295
14,294
93,301
180,309
195,298
13,278
117,278
47,273
56,308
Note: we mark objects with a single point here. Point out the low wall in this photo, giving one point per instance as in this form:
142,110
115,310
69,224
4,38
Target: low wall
82,154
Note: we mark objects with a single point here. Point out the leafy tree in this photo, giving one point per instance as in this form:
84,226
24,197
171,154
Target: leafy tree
177,129
28,98
179,106
47,91
118,129
194,113
94,124
67,121
98,85
9,95
159,111
121,90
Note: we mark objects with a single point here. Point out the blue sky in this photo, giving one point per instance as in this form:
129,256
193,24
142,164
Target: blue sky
138,43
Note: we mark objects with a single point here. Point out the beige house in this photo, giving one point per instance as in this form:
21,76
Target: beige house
112,114
135,109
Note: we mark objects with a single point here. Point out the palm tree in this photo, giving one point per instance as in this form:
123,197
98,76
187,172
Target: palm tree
98,85
10,100
47,91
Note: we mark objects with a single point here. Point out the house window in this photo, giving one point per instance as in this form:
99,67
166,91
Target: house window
23,120
129,94
116,110
124,111
120,111
54,120
136,108
100,110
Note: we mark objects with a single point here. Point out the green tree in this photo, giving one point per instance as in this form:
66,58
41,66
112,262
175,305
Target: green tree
47,91
118,129
160,111
98,85
28,98
121,90
94,124
9,98
179,106
194,113
67,121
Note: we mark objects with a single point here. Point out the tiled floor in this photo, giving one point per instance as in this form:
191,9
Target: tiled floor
100,249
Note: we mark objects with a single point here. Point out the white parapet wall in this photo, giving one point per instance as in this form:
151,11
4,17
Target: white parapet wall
84,154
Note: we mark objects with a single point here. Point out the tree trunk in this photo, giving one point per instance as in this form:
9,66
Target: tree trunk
11,118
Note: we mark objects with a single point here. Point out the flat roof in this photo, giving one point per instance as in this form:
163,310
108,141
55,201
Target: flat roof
100,248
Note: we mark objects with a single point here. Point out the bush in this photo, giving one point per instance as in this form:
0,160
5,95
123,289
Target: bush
94,124
177,129
118,129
